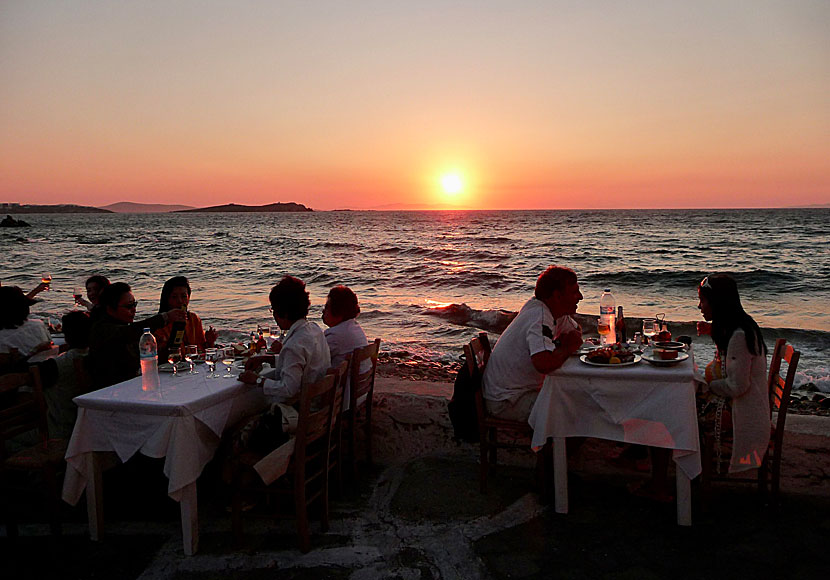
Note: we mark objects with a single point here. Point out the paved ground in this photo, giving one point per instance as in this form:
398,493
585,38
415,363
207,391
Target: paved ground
426,520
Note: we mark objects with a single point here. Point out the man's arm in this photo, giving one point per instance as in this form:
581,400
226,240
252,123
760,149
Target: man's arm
547,361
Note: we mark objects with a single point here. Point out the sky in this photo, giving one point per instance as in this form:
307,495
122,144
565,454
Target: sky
390,104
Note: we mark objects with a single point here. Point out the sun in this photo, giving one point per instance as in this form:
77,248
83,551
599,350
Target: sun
452,183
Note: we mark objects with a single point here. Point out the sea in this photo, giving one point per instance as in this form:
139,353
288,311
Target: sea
429,281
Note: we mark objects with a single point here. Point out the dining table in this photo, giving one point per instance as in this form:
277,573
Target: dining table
181,421
634,403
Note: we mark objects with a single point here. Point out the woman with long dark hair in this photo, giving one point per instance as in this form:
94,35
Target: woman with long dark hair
732,398
733,403
175,295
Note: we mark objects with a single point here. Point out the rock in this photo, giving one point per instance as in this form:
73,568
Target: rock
809,387
818,398
825,403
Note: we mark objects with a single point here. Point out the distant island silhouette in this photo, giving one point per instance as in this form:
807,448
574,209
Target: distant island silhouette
232,207
59,208
132,207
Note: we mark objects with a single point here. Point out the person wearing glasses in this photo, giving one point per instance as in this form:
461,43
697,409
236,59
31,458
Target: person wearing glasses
732,399
113,345
175,295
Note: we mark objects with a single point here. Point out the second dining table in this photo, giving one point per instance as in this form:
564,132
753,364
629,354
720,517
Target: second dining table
182,421
638,403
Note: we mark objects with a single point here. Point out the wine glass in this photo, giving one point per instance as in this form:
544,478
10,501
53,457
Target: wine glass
78,295
227,360
191,351
211,355
173,357
47,279
650,328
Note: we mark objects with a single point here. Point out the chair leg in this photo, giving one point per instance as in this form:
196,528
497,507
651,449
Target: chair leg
483,467
236,507
493,449
324,502
301,506
54,506
353,443
368,429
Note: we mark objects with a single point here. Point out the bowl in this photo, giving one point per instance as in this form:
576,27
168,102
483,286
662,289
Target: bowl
669,345
665,353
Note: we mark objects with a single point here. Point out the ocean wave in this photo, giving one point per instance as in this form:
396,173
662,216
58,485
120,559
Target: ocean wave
770,280
461,314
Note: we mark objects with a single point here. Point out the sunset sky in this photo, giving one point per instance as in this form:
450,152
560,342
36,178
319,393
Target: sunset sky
480,104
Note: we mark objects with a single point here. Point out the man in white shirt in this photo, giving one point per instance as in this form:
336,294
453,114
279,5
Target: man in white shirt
17,330
538,341
303,355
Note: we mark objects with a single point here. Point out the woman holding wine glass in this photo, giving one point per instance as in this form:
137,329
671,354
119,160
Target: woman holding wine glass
175,295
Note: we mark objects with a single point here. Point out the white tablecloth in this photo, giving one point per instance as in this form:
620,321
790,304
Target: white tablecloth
641,403
181,421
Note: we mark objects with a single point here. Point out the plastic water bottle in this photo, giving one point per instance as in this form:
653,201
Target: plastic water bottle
148,353
607,318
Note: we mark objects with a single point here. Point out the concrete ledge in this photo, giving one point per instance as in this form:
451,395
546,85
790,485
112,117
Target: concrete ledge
411,420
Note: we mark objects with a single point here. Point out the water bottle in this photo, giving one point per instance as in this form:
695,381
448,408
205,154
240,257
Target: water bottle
607,318
148,353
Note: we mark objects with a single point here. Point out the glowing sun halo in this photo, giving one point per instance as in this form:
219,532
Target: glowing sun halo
452,183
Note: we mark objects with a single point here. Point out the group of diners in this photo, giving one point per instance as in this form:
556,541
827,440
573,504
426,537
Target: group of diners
732,400
107,337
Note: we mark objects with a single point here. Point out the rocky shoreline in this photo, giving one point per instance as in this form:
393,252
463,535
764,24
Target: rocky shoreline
808,400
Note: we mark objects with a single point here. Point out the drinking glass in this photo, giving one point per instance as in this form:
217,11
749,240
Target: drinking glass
191,351
211,355
602,327
227,360
47,279
650,328
173,357
78,295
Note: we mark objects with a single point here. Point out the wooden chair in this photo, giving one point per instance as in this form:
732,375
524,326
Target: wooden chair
476,355
21,413
360,397
779,389
308,469
336,444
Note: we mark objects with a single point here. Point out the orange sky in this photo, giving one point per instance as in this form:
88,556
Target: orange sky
547,104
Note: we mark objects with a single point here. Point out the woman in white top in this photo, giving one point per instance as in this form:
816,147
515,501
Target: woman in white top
343,334
17,330
733,403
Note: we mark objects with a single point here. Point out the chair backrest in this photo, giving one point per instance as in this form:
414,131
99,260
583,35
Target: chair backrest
9,360
781,387
342,374
363,381
82,376
21,412
476,354
315,415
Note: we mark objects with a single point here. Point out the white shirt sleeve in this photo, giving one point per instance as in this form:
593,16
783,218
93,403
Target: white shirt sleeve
738,378
286,386
540,333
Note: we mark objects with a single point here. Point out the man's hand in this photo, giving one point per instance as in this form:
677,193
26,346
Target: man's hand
275,347
255,362
249,377
571,341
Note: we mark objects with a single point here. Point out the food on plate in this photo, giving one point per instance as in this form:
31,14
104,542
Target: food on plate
610,355
665,353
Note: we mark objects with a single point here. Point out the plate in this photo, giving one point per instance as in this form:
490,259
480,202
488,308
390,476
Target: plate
659,362
168,368
584,359
585,350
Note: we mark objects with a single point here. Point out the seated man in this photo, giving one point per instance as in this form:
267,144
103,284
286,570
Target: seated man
538,341
303,358
60,383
